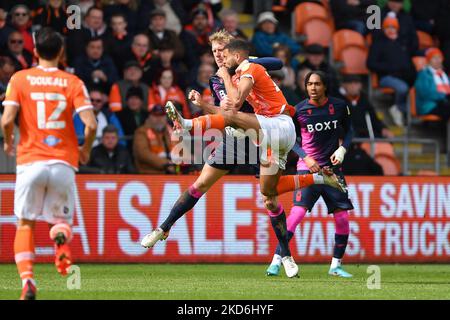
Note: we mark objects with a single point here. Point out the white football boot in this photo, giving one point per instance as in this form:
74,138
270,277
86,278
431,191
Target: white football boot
290,267
156,235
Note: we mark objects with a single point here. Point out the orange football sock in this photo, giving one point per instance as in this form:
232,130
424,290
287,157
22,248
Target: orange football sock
24,251
294,182
216,121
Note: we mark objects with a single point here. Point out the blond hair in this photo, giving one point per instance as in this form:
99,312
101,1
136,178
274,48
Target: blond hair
221,36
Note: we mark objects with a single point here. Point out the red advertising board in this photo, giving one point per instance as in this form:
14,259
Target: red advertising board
398,219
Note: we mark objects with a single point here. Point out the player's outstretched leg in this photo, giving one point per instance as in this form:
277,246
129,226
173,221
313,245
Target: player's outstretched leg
184,203
208,177
294,182
216,121
61,235
295,217
24,256
341,240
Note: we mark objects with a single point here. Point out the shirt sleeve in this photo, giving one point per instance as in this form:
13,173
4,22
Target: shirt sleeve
12,94
348,128
251,71
81,100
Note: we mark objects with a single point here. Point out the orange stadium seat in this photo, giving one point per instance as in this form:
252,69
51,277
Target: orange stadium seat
384,155
413,109
419,62
425,40
349,47
381,148
318,31
391,165
307,11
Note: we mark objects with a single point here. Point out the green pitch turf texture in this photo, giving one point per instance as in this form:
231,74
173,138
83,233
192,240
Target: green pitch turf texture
231,282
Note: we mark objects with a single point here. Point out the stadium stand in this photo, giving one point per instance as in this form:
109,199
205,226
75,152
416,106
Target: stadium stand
350,49
313,22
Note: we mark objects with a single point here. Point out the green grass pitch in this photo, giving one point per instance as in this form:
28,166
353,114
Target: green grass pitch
230,281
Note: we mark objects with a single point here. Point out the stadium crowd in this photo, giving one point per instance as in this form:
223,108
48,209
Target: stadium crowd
135,55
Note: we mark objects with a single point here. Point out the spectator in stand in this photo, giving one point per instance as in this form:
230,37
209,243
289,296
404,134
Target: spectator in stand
433,87
267,36
361,108
134,114
391,61
165,89
283,53
301,89
424,13
230,22
443,31
7,69
53,15
21,21
406,30
175,13
165,61
141,52
96,67
5,29
201,85
212,7
118,41
152,144
94,23
195,37
104,117
128,8
316,61
93,27
289,93
132,77
22,58
109,157
159,34
351,14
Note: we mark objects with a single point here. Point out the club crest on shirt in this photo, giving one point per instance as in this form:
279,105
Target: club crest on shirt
331,109
309,111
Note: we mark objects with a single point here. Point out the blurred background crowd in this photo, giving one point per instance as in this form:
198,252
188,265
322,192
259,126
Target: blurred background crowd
135,55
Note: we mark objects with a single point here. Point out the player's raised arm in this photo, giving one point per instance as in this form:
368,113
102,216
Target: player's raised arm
196,98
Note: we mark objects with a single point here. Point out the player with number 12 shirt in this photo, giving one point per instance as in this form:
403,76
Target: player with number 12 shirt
45,98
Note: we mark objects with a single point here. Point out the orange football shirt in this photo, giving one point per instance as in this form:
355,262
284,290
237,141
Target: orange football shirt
47,99
265,97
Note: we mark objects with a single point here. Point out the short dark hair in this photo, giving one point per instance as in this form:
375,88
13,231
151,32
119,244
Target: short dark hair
323,78
48,43
238,45
97,38
110,128
88,12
